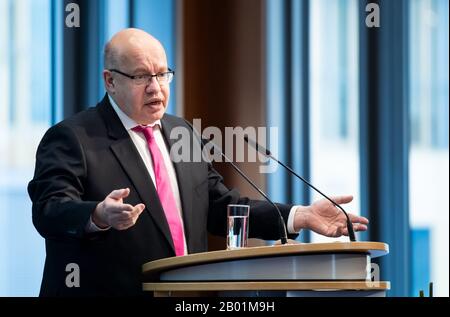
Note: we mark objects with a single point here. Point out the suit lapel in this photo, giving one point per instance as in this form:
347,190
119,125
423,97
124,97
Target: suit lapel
182,170
126,153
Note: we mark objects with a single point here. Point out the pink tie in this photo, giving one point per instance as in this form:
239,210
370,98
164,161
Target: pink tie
164,190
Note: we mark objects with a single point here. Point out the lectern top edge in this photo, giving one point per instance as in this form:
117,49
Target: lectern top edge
374,249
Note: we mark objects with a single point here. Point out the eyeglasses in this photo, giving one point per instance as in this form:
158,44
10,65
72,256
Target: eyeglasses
162,78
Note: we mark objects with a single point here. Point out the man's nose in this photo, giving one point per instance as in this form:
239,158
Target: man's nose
153,86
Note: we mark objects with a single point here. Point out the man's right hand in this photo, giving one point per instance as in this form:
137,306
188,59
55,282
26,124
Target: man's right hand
112,212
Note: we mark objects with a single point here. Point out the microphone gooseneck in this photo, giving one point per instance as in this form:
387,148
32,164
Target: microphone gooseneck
266,152
282,225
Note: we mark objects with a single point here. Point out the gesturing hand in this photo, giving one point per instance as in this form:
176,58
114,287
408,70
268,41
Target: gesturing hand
112,212
326,219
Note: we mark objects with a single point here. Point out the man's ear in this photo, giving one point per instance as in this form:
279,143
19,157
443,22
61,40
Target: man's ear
109,81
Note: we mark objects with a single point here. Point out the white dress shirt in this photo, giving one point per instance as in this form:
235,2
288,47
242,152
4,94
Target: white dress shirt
140,142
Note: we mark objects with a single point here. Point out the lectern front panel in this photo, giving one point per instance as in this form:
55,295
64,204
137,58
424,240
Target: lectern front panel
317,267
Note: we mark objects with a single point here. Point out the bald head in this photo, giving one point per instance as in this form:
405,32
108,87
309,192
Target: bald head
128,43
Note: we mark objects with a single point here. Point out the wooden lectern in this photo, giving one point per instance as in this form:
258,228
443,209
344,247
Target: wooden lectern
301,269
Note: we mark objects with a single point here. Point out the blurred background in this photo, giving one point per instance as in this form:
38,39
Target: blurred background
362,111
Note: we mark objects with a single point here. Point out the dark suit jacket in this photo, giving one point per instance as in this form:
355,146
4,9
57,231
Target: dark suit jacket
78,163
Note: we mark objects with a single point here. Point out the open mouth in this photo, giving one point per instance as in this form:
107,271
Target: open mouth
154,103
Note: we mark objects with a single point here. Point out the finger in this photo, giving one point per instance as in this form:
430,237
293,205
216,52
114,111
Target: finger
125,216
339,232
345,231
138,209
119,193
360,227
342,199
117,221
129,224
121,217
119,208
125,224
358,219
134,213
356,227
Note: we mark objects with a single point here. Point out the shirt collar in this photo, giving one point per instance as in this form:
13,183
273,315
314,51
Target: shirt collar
127,122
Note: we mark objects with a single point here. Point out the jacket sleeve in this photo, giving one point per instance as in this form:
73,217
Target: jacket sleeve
56,189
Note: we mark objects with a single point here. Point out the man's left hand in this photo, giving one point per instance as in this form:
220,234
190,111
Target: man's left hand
326,219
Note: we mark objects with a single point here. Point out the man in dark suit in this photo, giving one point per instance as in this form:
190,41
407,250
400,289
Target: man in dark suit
107,198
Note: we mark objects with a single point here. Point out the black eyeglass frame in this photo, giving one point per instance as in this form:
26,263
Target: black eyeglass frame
149,76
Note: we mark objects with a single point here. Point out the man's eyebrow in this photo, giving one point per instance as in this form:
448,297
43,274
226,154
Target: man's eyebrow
140,70
144,70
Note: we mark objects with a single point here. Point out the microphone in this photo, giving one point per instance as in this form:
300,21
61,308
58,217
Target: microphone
266,152
282,225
